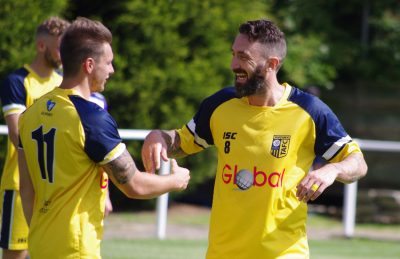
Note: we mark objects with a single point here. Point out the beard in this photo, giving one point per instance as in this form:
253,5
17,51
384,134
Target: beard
255,84
97,85
51,62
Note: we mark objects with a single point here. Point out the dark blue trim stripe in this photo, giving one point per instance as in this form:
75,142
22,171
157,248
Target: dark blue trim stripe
195,142
7,212
340,149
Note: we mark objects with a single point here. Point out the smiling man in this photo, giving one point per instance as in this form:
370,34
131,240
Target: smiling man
267,135
70,146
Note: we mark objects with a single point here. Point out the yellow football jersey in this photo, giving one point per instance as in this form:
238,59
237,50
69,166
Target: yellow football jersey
263,153
65,139
19,91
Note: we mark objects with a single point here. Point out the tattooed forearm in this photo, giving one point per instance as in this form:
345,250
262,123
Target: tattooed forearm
173,142
122,168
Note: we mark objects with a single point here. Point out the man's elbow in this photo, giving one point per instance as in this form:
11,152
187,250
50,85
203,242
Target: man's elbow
135,191
363,169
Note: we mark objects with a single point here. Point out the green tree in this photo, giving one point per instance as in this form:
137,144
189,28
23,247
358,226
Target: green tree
18,22
360,39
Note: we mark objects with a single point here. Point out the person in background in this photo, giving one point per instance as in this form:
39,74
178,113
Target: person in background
18,91
267,135
65,139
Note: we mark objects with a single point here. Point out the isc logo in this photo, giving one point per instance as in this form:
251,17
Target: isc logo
228,135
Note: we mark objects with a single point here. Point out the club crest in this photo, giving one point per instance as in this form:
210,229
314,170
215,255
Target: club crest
280,145
50,105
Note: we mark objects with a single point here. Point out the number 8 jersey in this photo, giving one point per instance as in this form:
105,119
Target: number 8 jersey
263,153
65,138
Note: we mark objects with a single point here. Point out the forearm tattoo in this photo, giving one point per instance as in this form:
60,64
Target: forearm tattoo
173,144
121,168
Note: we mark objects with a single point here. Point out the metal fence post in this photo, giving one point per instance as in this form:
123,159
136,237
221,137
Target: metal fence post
162,204
349,208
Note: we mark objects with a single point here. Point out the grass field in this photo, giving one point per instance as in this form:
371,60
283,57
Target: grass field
132,236
325,238
195,249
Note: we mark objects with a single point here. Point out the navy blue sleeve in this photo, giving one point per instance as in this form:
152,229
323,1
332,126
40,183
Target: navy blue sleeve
12,90
101,131
329,130
200,125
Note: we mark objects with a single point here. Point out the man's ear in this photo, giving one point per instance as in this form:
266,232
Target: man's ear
272,63
40,45
88,65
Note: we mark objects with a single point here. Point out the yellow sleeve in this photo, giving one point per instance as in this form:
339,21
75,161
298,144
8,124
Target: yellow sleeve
349,148
113,154
188,143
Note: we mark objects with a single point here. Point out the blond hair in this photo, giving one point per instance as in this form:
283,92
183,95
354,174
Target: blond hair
54,26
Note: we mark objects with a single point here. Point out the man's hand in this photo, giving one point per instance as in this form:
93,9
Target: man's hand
142,185
154,147
181,174
349,170
315,182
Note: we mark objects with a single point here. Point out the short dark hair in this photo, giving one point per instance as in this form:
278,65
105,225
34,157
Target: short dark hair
267,33
83,39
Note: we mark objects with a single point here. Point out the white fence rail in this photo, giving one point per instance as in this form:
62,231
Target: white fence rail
350,191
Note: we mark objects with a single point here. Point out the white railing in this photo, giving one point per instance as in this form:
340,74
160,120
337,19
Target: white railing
350,190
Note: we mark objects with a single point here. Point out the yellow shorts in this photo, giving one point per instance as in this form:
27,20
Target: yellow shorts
14,229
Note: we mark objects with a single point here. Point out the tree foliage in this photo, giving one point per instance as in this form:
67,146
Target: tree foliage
360,38
18,22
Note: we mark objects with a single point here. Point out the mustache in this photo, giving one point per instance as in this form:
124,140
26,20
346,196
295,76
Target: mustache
238,70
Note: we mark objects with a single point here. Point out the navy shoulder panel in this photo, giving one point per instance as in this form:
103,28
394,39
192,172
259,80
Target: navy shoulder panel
328,127
101,131
12,90
310,103
207,107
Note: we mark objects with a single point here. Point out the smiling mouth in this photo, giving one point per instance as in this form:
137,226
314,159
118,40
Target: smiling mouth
241,77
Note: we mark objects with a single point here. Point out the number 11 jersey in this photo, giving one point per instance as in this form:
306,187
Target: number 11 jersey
65,139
